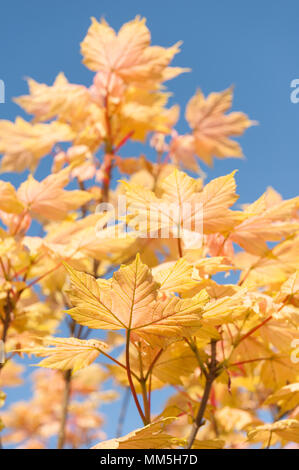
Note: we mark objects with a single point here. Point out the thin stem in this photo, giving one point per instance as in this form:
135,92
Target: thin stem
152,364
253,330
3,269
108,166
132,387
204,401
145,402
180,248
123,412
248,361
65,407
123,141
66,396
269,441
8,308
193,348
40,277
84,208
150,393
120,364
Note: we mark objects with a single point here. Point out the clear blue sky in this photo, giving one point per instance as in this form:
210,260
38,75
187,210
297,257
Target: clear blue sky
253,45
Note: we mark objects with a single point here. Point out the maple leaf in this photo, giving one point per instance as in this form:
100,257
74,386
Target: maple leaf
208,444
73,105
278,371
286,398
130,301
176,362
182,151
68,353
143,111
152,436
212,128
265,224
24,144
48,199
183,207
128,54
175,276
289,291
8,199
225,309
62,99
273,268
286,430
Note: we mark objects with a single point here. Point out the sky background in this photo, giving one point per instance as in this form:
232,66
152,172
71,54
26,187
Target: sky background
253,45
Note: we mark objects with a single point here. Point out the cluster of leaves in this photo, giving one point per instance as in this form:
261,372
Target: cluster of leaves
167,316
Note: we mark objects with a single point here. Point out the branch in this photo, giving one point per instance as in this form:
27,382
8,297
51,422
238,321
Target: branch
8,308
209,381
180,248
194,349
65,406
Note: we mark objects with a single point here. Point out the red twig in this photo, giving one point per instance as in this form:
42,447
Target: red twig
250,332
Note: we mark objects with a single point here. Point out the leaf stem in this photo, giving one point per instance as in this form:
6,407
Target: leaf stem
65,407
145,402
180,248
131,383
253,330
152,364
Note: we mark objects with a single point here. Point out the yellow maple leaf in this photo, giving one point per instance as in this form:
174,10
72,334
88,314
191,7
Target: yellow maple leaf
62,99
265,224
286,398
68,353
208,444
273,268
24,144
9,201
212,128
152,436
128,53
184,209
131,302
142,111
48,199
278,371
289,291
286,430
175,276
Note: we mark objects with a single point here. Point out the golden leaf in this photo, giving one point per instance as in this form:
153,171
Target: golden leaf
212,128
68,353
152,436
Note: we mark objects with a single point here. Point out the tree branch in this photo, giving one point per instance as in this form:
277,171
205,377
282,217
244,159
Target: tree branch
65,406
209,382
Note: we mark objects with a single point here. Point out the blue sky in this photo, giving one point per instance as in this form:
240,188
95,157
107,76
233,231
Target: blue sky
253,45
